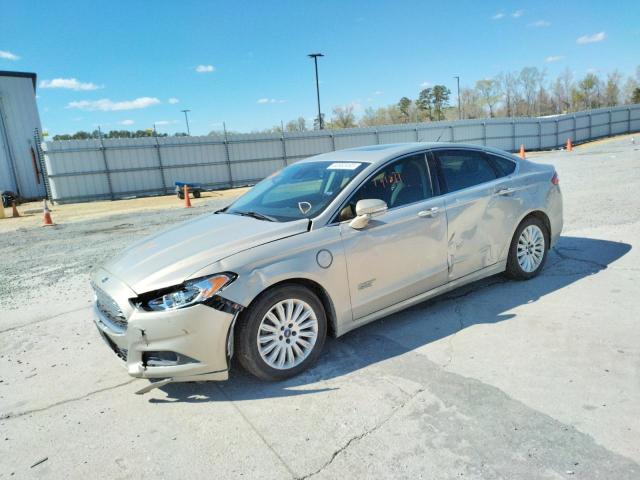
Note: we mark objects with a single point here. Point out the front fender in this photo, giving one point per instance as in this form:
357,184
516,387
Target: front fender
287,259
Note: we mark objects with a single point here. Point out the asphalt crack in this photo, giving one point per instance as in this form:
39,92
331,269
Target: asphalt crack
458,311
359,437
28,324
564,256
257,432
7,416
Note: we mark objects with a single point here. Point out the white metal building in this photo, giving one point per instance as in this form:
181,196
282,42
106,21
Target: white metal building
20,170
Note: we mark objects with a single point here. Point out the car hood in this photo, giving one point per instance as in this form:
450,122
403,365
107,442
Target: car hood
170,257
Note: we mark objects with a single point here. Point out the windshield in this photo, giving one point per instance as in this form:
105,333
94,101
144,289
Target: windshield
301,190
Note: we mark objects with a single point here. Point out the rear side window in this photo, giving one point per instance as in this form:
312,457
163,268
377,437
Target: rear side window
504,166
464,168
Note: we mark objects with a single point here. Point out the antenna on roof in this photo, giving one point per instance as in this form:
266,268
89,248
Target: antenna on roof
439,136
441,132
420,137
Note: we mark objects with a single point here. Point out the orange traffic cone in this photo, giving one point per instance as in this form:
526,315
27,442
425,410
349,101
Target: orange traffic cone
569,145
46,219
15,209
187,200
522,155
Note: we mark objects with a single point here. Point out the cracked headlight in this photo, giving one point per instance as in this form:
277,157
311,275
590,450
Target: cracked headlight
187,294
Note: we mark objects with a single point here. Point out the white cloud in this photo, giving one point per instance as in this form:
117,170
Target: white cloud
425,84
554,58
69,84
498,16
517,14
540,24
356,105
596,37
8,55
205,68
269,100
378,92
173,100
107,105
126,122
164,122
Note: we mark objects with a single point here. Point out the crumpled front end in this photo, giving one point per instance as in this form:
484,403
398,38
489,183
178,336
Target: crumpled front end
191,343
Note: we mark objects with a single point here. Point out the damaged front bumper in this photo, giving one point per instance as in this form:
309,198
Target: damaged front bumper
188,344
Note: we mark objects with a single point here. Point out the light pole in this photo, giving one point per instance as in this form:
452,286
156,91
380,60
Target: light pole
457,77
315,61
186,119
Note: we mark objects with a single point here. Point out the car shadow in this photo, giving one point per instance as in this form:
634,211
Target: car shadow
483,302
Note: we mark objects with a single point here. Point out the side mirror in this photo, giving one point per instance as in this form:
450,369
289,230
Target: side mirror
366,210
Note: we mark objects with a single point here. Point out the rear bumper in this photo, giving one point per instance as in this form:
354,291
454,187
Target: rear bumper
199,336
555,211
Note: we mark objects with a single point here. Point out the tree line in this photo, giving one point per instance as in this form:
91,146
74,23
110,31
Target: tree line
525,93
96,134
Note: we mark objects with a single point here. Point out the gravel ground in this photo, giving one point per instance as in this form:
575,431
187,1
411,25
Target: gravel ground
501,379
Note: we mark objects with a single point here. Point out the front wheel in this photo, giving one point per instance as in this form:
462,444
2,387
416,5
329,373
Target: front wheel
282,333
528,250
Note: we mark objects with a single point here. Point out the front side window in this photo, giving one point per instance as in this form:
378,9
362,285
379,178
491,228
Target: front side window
301,190
399,183
464,168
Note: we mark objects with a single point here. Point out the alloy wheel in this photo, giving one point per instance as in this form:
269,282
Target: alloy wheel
531,245
287,334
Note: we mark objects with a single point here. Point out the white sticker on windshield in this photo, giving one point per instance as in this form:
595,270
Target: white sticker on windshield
343,166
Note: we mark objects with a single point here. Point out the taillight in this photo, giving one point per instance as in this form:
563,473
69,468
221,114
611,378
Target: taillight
555,179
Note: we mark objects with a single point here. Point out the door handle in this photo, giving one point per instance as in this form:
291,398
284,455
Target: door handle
505,191
430,212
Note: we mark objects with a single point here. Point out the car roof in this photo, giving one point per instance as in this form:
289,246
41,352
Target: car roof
376,154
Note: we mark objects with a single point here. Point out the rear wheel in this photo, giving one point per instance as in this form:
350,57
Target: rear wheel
282,333
528,250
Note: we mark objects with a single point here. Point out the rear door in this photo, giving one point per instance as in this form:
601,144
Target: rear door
479,208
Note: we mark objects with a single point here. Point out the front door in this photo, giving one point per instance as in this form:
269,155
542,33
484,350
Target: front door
401,253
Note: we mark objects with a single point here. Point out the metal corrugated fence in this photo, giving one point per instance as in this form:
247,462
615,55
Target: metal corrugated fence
81,170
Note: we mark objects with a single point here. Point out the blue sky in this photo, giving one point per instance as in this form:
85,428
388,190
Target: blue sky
136,62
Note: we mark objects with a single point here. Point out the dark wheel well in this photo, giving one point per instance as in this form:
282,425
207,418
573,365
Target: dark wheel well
315,288
545,221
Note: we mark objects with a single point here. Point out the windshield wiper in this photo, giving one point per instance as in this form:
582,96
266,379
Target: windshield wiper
257,215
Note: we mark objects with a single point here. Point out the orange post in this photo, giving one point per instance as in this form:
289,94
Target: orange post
46,219
569,145
15,209
187,200
522,155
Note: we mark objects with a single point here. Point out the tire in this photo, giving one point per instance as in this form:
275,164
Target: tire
181,195
534,248
196,194
258,320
